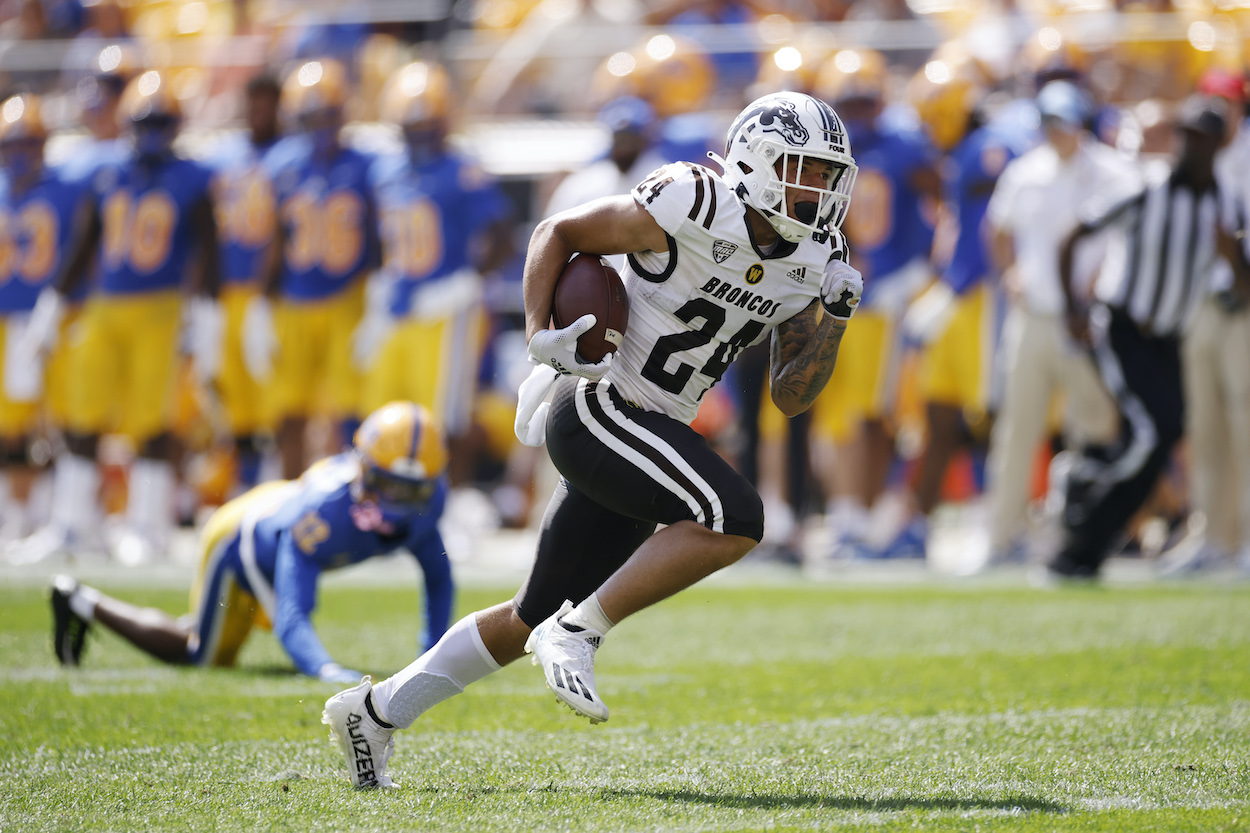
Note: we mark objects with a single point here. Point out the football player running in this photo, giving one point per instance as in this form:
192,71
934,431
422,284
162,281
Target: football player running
262,554
715,264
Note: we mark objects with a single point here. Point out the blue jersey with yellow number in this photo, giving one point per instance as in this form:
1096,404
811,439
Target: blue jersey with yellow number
970,173
246,212
318,526
146,210
35,228
886,225
430,215
328,216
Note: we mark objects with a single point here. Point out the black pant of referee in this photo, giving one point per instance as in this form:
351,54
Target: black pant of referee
1108,484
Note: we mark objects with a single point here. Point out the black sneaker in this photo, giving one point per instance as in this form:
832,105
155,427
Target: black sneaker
1065,569
69,630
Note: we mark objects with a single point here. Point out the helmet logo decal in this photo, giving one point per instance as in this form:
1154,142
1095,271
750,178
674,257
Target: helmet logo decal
783,118
776,115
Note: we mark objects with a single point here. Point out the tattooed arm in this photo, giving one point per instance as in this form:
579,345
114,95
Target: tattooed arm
802,356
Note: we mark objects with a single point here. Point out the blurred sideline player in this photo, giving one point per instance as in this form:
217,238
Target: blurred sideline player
151,221
890,239
246,218
37,211
1038,199
619,430
956,317
631,155
99,97
1215,356
326,242
675,76
444,223
262,554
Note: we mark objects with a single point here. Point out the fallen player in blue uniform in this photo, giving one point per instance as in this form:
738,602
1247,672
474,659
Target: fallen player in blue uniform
262,554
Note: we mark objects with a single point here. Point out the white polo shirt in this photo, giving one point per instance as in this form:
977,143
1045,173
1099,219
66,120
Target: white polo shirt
1040,198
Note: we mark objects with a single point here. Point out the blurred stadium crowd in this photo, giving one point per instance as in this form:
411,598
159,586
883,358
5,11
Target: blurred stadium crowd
230,228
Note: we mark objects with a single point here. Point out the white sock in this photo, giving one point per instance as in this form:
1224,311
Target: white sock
12,512
589,614
39,504
83,601
847,519
459,658
75,484
150,506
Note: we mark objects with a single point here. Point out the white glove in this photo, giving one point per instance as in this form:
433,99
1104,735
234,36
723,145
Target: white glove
929,314
531,409
206,325
44,327
332,672
369,336
558,349
22,370
259,339
377,323
840,289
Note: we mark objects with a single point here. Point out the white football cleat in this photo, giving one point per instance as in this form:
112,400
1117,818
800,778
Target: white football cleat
364,738
566,653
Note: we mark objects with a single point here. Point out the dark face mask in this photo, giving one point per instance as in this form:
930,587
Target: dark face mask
154,138
325,140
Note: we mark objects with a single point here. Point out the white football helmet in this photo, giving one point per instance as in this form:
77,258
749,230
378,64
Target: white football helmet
789,127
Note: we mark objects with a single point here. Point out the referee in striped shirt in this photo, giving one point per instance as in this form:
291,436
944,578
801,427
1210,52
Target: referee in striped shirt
1153,278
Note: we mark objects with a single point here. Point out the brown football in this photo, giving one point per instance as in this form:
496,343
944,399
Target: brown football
589,284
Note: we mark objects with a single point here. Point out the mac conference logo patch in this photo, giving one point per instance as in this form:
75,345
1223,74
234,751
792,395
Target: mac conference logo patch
722,249
755,274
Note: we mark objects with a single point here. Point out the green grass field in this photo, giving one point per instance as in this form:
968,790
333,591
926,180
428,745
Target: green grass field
789,706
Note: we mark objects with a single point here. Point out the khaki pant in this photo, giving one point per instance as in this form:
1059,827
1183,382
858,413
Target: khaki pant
1215,356
1039,360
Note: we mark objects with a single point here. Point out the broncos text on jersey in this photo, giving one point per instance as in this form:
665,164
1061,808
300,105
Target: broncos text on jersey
694,308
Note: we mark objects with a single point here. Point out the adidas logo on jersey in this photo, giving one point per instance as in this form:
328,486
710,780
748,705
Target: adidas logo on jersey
722,250
797,275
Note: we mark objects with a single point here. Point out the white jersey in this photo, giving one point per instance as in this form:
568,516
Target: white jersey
694,308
